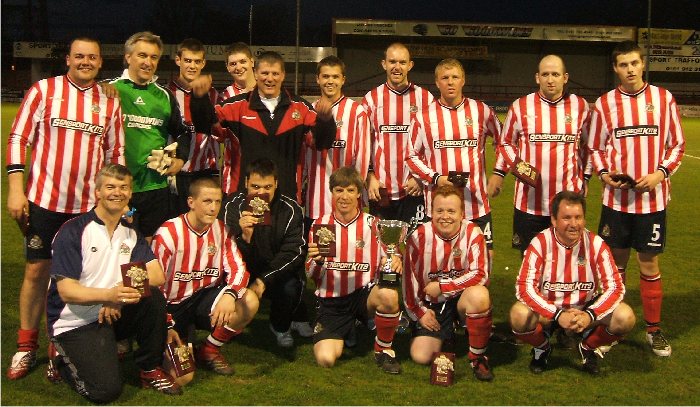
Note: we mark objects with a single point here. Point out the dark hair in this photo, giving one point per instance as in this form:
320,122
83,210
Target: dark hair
111,170
191,44
625,47
345,176
448,190
200,183
262,166
569,196
271,58
238,48
331,61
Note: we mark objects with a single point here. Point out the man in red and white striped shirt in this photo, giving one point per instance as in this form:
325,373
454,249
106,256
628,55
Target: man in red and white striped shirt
548,130
205,276
390,108
345,283
636,132
449,269
204,149
350,147
450,136
568,278
239,64
73,129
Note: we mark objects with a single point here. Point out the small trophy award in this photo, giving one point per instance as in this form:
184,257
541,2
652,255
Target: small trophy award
181,358
526,173
259,205
624,178
324,237
458,178
390,234
442,370
135,275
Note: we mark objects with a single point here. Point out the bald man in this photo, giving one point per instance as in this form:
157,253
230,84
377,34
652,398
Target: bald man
547,129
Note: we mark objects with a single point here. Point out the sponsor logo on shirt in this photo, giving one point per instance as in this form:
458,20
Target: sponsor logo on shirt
196,274
347,266
551,138
452,273
459,143
568,287
76,125
141,122
636,131
338,144
393,128
139,101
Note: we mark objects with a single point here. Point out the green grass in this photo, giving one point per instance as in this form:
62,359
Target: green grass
265,375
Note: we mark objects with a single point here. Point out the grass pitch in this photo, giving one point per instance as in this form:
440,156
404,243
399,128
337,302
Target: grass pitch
266,375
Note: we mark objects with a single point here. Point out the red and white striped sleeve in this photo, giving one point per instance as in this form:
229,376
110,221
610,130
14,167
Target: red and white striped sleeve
527,285
413,278
478,264
233,264
113,145
609,279
23,131
418,143
675,140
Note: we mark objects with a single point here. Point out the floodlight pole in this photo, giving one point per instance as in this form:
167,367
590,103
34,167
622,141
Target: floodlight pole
648,45
250,24
296,60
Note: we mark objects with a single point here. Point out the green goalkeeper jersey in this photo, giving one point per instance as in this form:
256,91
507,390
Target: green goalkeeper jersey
151,120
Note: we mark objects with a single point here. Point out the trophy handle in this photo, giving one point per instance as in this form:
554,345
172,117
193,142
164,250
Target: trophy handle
412,226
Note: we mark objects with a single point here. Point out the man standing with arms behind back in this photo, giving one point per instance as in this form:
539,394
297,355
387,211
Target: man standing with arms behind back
636,132
73,129
548,130
449,137
390,108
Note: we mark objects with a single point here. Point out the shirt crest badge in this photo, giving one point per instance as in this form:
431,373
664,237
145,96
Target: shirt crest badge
516,239
211,249
338,123
360,243
95,108
413,109
456,252
124,249
35,243
568,119
296,115
581,261
468,121
650,107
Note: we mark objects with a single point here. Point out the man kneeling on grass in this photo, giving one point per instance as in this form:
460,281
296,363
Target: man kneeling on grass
345,283
205,276
449,269
88,306
568,278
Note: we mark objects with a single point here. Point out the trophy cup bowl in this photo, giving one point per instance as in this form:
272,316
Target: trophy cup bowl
390,234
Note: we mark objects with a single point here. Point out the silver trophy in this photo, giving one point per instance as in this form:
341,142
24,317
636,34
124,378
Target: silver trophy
391,233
